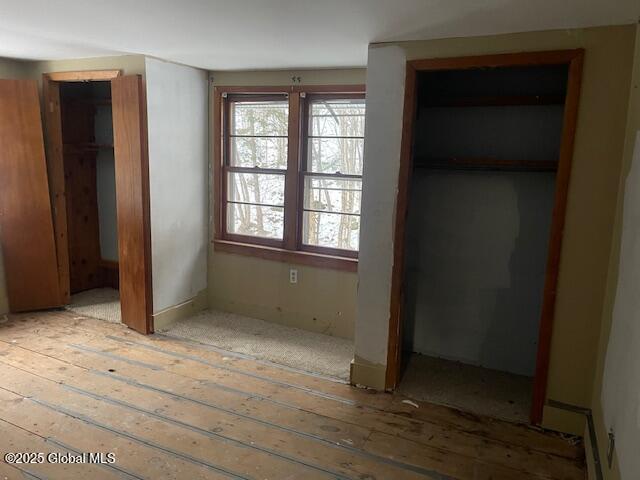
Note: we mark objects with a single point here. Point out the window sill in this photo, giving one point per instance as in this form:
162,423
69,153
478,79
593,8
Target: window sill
287,256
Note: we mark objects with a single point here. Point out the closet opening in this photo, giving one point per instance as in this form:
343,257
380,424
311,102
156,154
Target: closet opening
90,188
487,146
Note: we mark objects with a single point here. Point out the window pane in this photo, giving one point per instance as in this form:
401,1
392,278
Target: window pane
331,155
259,188
337,118
332,194
255,220
261,152
269,118
331,230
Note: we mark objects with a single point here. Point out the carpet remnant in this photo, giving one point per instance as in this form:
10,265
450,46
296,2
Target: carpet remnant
291,347
100,303
468,387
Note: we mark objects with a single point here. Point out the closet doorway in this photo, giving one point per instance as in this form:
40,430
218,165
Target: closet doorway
486,154
42,238
97,164
90,186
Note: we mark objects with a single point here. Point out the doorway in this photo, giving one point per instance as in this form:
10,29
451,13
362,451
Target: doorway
487,146
97,131
34,222
90,186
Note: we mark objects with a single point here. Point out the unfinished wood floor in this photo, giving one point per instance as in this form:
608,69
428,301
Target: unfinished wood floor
175,410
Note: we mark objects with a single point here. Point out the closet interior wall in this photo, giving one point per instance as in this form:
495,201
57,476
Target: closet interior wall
486,151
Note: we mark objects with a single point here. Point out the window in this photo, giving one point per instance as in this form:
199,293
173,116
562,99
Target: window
332,173
289,172
256,147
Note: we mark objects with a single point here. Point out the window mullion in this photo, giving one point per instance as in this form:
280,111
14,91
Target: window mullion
291,181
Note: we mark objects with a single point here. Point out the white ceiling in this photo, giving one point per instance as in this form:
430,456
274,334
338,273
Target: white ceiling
271,34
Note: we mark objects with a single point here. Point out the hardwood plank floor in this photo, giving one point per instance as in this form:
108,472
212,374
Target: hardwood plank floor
179,410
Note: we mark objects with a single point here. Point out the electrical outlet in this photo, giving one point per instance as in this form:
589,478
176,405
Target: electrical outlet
293,275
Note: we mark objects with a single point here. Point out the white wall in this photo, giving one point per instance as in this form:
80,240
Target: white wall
177,99
476,252
383,133
621,384
106,185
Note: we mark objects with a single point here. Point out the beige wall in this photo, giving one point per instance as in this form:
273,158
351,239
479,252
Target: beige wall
590,210
323,300
9,69
633,126
129,64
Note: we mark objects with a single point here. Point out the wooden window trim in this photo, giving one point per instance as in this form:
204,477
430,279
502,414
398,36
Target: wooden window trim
290,249
303,172
226,168
287,256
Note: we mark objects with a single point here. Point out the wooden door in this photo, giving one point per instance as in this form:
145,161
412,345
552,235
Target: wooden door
132,192
26,225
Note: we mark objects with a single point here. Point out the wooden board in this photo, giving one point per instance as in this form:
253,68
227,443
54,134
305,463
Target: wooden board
88,383
80,177
132,192
82,221
55,169
26,226
83,76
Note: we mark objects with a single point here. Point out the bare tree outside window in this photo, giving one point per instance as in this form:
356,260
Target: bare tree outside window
258,140
333,187
291,170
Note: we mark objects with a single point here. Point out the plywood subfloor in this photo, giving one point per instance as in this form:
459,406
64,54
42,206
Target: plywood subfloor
292,347
100,303
171,410
467,387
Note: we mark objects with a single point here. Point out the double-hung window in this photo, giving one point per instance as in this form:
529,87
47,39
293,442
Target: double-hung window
331,174
256,142
288,172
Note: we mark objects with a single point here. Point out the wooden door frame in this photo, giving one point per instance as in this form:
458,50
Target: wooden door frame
52,126
55,167
573,59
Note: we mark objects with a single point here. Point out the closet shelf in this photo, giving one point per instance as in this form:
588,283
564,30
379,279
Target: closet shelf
89,146
479,163
495,101
90,101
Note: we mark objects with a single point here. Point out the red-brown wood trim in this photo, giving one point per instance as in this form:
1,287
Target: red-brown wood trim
302,167
287,256
334,252
83,76
57,185
550,57
295,164
217,163
291,197
133,201
574,58
570,121
356,88
394,346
